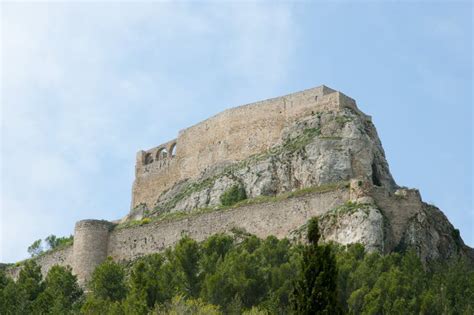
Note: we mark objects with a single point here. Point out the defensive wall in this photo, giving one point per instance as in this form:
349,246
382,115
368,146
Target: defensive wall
229,136
95,240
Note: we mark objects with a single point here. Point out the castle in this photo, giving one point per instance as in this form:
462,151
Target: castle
231,135
306,154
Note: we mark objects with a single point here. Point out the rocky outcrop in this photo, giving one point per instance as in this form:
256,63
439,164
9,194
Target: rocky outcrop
355,223
432,236
323,148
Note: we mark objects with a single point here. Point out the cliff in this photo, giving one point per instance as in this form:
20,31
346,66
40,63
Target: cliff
312,153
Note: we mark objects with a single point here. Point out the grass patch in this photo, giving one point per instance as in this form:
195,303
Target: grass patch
330,138
348,207
290,145
186,192
342,120
172,216
294,144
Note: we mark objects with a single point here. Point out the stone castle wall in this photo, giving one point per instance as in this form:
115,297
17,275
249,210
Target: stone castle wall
229,136
93,242
91,238
61,257
272,218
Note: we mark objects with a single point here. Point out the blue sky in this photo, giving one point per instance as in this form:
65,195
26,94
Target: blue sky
84,86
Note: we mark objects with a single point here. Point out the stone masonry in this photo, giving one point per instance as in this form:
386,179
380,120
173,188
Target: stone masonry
295,143
227,137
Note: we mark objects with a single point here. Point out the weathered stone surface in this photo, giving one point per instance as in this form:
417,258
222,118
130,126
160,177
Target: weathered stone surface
433,238
323,148
288,144
228,137
358,223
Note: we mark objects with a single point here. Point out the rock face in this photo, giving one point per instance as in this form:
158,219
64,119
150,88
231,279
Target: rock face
355,223
326,147
311,153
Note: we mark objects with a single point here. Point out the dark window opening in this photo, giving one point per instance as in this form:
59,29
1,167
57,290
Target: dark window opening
148,158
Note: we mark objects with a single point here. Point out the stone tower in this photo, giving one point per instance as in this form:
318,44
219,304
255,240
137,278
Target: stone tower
91,239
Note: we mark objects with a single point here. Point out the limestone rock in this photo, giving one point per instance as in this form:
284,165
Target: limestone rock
432,237
355,223
323,148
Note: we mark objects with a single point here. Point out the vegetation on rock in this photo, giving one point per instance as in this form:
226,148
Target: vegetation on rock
242,274
52,242
233,195
170,216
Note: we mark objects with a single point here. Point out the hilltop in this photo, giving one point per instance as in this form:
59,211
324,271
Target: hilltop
268,167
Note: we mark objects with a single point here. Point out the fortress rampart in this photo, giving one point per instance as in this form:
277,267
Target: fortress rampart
229,136
354,192
91,238
95,240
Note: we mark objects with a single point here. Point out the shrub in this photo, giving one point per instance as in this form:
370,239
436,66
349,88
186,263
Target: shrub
145,221
233,195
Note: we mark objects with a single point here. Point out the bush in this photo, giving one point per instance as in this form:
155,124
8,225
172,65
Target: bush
108,281
145,221
233,195
35,249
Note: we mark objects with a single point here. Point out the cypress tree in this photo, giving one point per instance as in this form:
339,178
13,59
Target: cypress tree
315,290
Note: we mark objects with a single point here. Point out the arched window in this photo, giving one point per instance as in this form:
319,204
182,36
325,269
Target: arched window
173,149
148,158
161,154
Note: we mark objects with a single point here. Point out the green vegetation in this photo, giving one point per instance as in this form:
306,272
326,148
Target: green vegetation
36,248
188,189
330,138
52,243
315,290
233,195
300,141
242,274
170,216
290,145
347,208
342,120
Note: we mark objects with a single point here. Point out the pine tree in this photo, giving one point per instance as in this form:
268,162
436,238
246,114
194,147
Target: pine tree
315,291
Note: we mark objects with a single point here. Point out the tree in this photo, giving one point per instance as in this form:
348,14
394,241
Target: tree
315,291
62,292
179,306
214,250
185,257
147,282
28,287
53,241
12,300
108,281
238,278
36,248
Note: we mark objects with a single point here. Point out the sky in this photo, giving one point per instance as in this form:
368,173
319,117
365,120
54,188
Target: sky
85,85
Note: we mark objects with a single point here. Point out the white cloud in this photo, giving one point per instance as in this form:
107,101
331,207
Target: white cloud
84,85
